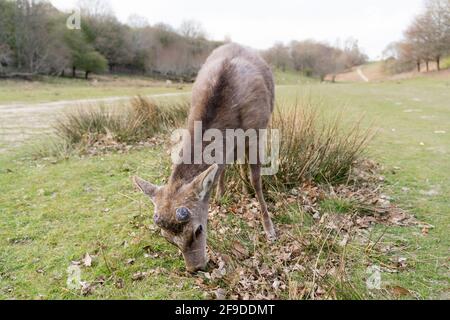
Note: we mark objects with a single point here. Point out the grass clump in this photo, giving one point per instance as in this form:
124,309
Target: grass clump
140,120
337,205
312,147
315,148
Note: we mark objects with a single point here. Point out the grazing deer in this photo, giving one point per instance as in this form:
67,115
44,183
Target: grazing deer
234,89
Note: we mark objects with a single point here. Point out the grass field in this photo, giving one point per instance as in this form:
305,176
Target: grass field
54,212
56,89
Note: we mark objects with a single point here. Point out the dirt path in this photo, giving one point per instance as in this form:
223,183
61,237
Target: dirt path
362,75
21,121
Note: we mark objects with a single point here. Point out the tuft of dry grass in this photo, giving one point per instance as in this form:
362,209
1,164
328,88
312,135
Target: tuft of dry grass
312,147
140,120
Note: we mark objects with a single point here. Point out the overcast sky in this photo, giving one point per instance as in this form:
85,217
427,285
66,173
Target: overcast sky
260,23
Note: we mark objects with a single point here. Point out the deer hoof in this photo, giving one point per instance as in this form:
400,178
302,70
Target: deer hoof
271,234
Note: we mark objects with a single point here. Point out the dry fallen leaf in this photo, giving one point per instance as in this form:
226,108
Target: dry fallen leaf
221,294
239,250
119,283
86,288
399,291
138,276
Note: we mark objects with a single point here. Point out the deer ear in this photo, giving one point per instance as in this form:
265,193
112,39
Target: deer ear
205,181
146,187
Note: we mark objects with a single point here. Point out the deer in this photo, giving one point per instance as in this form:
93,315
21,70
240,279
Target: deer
233,89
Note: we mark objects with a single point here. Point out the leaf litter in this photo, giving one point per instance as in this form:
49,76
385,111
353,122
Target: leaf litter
309,259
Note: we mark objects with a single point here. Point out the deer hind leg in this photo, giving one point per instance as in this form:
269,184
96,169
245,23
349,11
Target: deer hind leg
257,185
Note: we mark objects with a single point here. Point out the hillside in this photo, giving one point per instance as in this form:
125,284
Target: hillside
374,72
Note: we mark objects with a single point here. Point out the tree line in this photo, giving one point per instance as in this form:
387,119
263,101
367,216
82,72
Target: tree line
34,39
426,39
317,59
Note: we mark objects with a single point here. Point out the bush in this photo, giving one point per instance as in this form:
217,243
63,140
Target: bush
140,120
394,66
312,147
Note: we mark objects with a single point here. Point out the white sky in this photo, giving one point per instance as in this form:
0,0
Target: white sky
260,23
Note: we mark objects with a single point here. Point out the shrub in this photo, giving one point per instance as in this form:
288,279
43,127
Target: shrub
140,120
312,147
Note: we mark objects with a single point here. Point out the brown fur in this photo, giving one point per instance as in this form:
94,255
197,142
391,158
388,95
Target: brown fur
234,90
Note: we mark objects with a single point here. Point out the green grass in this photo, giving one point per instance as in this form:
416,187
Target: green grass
53,213
49,89
407,114
55,89
291,78
342,206
82,205
446,63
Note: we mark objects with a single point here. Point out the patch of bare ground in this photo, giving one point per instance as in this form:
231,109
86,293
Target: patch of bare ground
374,72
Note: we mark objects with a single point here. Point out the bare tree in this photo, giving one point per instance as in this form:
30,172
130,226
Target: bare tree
278,56
352,53
136,21
192,29
437,25
428,37
37,44
96,8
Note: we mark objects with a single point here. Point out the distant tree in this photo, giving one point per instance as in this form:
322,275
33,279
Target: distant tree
437,25
7,40
352,54
34,38
302,55
279,56
6,57
192,29
136,21
37,46
90,61
98,9
109,37
401,57
320,59
82,55
428,37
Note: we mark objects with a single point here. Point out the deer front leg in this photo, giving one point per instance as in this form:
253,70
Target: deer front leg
257,185
244,178
220,191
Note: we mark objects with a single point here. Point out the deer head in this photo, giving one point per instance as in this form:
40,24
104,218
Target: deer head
181,211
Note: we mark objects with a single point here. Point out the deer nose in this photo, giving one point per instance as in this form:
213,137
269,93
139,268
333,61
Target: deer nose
156,218
196,268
